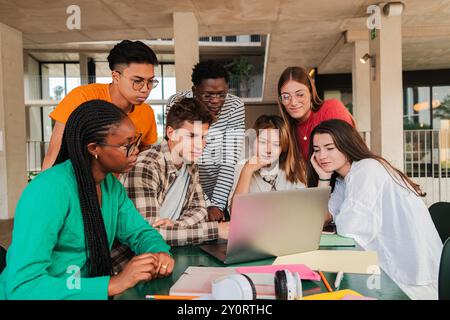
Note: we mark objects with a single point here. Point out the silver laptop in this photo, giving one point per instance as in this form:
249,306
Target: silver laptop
271,224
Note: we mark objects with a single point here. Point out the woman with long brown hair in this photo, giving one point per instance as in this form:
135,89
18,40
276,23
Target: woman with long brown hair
378,206
270,165
303,110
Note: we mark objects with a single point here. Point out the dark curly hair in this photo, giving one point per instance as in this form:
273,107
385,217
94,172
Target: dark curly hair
209,69
128,51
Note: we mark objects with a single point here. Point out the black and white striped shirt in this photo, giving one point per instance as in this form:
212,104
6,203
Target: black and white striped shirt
222,150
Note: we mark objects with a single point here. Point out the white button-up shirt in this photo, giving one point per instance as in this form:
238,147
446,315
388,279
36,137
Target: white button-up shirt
381,215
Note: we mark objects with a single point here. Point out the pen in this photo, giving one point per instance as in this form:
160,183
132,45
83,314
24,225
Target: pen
167,297
339,278
325,282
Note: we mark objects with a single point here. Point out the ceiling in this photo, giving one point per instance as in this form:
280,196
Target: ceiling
302,32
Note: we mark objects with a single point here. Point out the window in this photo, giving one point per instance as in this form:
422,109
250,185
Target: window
345,96
53,82
441,106
416,108
255,38
102,72
72,76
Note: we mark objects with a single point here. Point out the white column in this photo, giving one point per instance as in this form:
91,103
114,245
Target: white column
185,31
387,90
13,175
361,87
83,68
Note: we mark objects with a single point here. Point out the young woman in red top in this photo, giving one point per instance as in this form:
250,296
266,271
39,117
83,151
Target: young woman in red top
303,110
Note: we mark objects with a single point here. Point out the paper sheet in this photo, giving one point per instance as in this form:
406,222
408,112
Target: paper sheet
360,262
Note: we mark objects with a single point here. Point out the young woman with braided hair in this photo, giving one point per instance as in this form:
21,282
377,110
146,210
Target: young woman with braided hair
69,216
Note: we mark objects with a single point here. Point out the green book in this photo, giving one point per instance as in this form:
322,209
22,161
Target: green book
335,240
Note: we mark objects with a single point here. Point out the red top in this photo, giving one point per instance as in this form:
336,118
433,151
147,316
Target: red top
330,109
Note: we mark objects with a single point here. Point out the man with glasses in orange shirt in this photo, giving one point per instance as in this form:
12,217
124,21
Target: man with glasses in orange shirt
133,77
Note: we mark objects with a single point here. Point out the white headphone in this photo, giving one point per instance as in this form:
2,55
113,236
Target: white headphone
234,287
288,286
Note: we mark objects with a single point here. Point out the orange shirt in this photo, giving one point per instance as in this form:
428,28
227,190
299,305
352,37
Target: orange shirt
142,116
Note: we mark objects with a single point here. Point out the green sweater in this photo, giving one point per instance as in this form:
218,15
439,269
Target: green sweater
48,243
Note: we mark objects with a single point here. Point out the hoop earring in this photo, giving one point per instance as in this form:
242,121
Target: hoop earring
96,156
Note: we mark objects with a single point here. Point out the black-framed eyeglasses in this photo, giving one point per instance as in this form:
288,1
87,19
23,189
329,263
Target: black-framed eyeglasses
139,84
129,148
209,96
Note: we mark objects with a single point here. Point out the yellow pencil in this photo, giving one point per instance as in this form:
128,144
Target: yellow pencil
325,282
167,297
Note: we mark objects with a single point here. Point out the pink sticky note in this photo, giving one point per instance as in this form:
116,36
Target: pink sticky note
304,272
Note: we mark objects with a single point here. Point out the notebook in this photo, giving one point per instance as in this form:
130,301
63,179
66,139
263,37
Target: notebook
335,240
196,281
348,261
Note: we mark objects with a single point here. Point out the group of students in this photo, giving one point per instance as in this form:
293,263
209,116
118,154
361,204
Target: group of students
112,200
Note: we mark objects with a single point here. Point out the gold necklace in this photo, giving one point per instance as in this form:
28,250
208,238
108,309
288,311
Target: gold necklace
305,137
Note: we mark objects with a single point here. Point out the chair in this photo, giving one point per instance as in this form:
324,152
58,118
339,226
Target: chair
2,258
444,273
440,214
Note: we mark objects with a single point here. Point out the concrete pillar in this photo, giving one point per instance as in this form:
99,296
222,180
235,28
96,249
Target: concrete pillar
185,31
13,174
361,88
386,98
84,74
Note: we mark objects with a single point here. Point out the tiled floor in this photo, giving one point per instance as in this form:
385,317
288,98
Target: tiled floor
5,232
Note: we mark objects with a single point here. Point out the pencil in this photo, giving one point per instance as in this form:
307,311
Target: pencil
166,297
325,282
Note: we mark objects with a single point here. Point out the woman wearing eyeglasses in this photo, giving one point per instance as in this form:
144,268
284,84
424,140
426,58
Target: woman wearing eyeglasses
69,216
303,110
133,78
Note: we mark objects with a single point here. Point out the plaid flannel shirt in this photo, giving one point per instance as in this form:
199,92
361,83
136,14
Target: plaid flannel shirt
147,185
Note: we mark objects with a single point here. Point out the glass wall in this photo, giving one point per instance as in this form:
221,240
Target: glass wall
58,79
416,108
441,106
345,96
102,72
426,114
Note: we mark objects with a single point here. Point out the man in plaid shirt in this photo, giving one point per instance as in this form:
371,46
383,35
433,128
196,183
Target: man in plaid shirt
165,187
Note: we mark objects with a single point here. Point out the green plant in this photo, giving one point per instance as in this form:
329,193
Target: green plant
32,174
242,69
58,90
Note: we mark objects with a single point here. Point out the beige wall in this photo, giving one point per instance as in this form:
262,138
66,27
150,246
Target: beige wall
13,176
255,109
